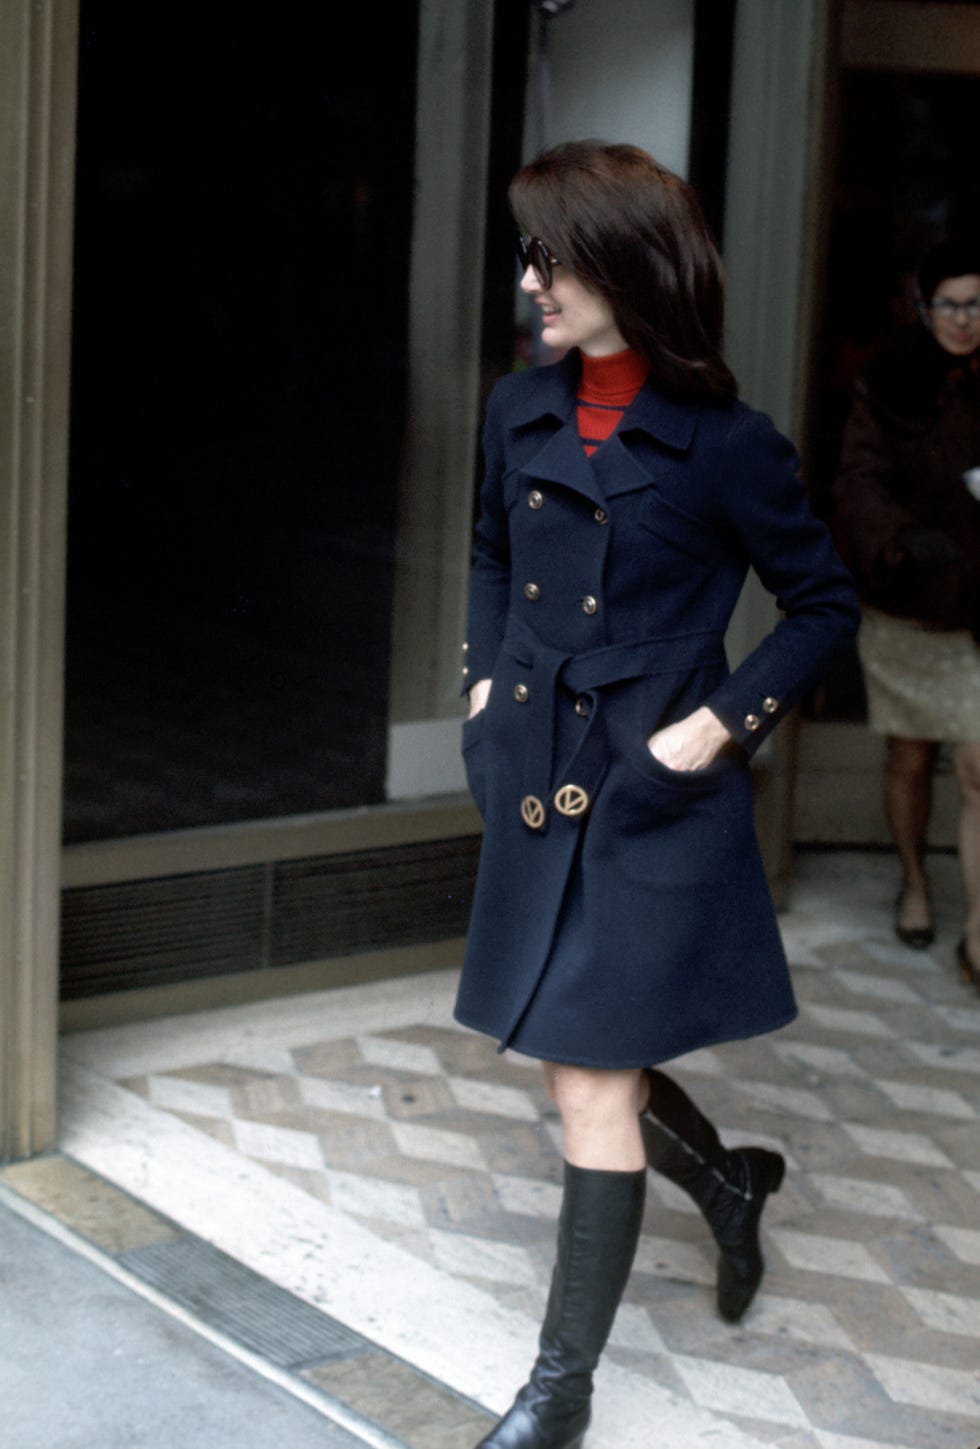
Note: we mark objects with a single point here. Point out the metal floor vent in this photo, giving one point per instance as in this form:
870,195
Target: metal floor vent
234,1301
163,931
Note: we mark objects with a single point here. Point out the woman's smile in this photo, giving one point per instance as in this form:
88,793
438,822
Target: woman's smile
573,314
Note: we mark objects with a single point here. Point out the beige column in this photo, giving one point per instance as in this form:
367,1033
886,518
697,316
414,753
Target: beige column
442,419
38,57
773,242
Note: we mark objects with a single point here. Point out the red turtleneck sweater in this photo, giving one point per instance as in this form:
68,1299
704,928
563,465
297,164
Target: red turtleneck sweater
606,388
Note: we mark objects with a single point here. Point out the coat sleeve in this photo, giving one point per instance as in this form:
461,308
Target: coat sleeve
792,553
913,554
489,590
867,517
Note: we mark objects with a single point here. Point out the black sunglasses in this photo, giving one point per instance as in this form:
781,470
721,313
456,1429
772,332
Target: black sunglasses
534,253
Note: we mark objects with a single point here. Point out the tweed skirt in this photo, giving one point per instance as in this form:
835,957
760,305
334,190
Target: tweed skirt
922,684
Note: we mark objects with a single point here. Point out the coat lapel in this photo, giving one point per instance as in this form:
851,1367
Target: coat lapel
613,469
618,470
561,458
670,423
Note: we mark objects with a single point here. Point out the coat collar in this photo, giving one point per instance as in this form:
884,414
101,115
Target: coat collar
550,392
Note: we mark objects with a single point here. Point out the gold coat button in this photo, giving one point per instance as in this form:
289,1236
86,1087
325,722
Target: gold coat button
589,605
532,592
770,705
752,721
601,516
521,693
466,648
532,812
582,706
535,499
465,671
572,800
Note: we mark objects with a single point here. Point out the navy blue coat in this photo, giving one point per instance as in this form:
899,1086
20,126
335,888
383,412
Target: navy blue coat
621,915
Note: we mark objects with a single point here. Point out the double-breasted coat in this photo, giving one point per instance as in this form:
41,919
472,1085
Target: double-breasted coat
621,914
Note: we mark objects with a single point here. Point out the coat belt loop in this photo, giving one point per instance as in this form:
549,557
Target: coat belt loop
539,757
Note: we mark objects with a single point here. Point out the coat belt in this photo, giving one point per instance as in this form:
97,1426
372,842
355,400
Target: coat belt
586,674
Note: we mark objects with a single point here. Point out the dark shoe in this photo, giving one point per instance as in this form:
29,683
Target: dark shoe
597,1235
918,937
734,1219
730,1187
969,970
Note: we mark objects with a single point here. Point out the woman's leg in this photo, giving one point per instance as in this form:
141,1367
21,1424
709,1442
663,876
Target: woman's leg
729,1186
599,1226
908,803
599,1116
967,761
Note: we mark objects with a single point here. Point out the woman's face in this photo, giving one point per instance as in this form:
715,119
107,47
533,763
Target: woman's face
572,314
954,314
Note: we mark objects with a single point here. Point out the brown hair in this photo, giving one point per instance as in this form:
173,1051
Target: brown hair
635,232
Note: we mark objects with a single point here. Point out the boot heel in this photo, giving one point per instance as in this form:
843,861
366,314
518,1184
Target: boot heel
767,1168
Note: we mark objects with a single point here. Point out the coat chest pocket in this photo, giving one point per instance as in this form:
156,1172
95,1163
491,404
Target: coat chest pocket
680,530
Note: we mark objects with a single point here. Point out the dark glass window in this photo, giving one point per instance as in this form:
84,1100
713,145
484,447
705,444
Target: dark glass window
244,189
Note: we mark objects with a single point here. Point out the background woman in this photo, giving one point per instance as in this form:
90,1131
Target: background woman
908,522
621,914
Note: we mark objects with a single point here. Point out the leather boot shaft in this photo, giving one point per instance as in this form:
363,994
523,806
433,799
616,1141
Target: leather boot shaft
729,1186
598,1231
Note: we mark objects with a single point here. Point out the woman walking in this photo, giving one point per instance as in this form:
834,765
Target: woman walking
907,512
621,915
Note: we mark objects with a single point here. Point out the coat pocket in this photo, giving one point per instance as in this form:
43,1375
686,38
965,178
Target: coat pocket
677,828
710,777
473,761
673,526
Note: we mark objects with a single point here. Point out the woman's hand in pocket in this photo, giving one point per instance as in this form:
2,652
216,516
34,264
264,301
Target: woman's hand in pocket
692,743
479,693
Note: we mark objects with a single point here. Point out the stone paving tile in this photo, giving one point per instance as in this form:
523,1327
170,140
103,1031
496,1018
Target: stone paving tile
867,1332
215,1127
87,1204
424,1415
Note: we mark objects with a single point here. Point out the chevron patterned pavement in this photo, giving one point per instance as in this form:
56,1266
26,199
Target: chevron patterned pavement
440,1159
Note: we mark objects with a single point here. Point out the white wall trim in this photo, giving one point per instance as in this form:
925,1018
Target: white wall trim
435,511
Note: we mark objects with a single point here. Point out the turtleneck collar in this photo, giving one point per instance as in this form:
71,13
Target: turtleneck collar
614,380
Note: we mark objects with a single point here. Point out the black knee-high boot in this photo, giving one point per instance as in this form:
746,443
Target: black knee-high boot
598,1231
730,1187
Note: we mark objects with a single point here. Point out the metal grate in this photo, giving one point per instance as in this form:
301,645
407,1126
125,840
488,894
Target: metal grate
397,896
234,1301
171,929
153,932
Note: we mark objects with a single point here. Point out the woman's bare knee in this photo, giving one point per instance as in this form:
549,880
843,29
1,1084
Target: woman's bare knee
585,1094
966,759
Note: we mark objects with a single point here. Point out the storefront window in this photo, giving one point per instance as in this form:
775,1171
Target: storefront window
244,192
